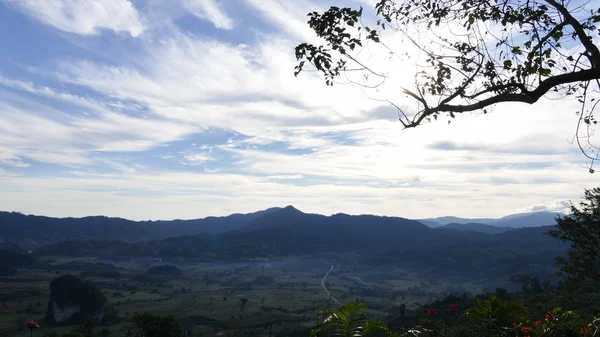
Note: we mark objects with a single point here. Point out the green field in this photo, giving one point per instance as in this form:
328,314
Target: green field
207,297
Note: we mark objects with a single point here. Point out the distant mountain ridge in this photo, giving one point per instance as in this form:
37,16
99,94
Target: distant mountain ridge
289,231
520,220
379,240
30,231
475,227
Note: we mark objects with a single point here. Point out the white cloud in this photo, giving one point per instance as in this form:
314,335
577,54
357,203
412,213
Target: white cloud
288,16
196,158
559,206
211,11
42,133
83,16
207,86
142,195
295,140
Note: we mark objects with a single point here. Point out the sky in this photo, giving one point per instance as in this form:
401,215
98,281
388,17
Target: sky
178,109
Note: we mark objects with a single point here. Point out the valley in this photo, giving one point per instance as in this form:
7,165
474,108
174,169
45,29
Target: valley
268,274
283,295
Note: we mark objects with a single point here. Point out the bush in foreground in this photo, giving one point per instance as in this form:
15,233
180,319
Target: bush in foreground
493,318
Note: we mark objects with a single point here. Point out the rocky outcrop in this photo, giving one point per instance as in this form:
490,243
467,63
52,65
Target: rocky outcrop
72,300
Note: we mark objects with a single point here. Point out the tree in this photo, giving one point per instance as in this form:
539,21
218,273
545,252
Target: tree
523,279
536,285
469,55
67,290
581,229
243,302
350,320
156,326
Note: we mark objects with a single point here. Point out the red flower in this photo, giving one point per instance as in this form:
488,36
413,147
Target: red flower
432,312
537,323
551,315
453,307
525,329
31,325
585,330
526,336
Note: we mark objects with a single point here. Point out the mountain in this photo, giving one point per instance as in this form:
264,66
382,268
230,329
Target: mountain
278,232
31,230
481,255
445,220
475,227
289,231
208,225
536,219
471,251
287,216
520,220
377,241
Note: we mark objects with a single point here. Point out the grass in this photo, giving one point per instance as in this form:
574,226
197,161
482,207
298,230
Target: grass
290,303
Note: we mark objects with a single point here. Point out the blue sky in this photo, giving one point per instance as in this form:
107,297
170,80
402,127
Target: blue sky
181,109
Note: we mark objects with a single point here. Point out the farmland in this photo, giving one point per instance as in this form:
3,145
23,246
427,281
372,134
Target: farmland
259,297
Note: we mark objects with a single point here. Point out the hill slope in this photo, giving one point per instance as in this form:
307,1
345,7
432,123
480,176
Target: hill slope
31,230
289,231
475,227
520,220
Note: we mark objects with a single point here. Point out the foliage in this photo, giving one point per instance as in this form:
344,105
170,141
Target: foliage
495,313
347,320
157,326
165,270
86,329
476,53
491,317
582,230
6,269
71,290
10,259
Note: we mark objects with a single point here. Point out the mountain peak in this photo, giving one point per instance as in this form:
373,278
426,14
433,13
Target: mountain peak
289,208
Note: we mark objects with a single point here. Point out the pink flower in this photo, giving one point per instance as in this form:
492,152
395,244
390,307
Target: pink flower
432,312
31,325
453,307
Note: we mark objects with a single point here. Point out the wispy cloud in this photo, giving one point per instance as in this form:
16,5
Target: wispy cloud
152,127
83,16
196,158
211,11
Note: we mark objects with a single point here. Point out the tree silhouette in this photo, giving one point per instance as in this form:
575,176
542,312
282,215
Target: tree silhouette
469,55
581,229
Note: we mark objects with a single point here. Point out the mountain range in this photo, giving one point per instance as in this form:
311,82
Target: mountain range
475,227
30,231
442,247
519,220
377,240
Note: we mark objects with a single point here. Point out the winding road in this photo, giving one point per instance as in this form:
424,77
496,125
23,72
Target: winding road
325,288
